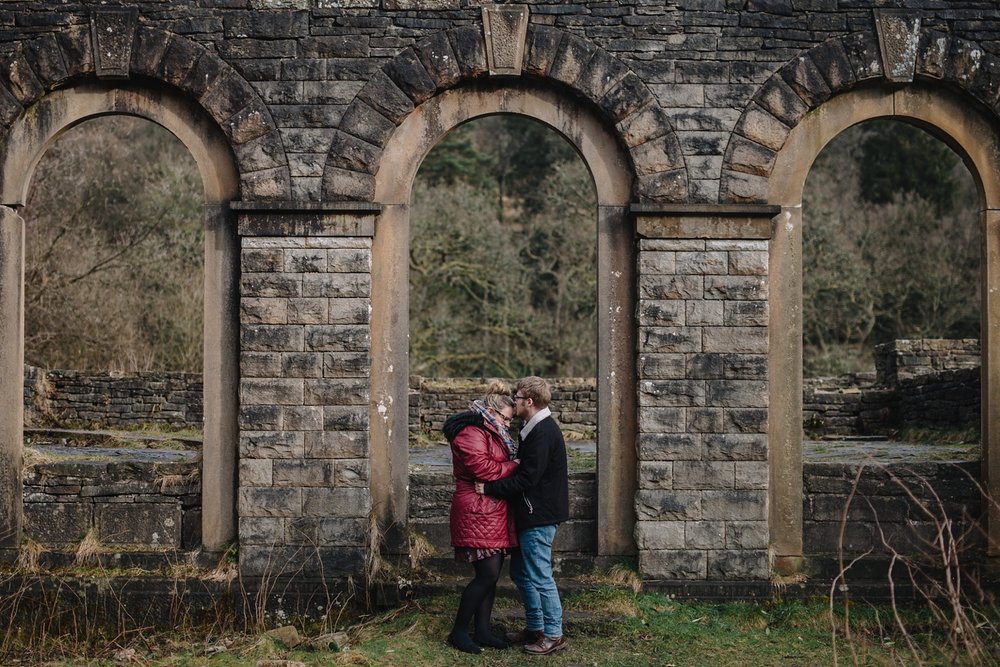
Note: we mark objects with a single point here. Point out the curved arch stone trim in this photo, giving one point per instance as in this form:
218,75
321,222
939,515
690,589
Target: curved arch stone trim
834,67
450,58
50,62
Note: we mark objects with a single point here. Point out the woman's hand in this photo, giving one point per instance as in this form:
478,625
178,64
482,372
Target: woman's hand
480,488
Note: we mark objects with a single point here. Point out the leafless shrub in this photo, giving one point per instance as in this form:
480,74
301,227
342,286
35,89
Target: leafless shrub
935,568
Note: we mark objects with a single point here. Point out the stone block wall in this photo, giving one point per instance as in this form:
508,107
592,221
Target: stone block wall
896,501
118,400
432,400
127,503
430,505
901,360
931,383
303,452
703,386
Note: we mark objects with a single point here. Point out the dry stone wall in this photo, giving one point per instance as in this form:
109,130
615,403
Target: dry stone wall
129,502
893,507
119,400
932,383
432,400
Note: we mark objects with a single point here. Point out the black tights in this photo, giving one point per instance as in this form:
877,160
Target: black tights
477,599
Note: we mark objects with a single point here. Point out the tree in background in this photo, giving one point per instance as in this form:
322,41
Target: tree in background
113,251
503,255
891,246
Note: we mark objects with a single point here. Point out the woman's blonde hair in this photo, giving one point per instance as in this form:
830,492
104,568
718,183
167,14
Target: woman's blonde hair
497,396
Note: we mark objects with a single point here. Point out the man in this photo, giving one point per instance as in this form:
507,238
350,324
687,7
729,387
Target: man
538,493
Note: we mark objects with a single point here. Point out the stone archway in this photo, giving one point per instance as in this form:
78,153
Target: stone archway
390,126
23,148
616,329
118,66
830,88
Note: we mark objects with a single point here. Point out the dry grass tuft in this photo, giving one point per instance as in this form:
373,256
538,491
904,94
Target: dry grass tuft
89,550
622,575
420,550
29,556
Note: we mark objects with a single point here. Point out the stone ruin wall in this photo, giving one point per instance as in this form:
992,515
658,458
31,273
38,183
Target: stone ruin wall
125,503
432,400
109,399
897,507
926,383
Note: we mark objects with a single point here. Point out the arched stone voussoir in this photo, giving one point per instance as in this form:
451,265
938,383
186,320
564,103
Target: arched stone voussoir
455,57
804,77
470,51
157,58
667,187
439,60
749,157
47,62
864,55
969,68
781,101
833,68
410,76
742,188
17,76
571,60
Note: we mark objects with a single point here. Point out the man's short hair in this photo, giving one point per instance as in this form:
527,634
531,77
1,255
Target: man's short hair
535,388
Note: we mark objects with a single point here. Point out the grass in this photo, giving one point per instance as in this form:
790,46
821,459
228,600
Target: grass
608,627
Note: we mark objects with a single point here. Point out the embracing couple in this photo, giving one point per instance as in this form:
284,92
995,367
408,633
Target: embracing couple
508,499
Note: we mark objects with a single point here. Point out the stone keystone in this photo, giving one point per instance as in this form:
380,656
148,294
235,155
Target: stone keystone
113,32
505,28
898,38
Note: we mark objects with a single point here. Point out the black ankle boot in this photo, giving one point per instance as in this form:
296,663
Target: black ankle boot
491,640
463,642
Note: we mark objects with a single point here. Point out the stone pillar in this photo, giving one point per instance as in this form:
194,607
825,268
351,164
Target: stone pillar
11,375
703,392
390,376
616,450
304,471
990,382
785,354
221,379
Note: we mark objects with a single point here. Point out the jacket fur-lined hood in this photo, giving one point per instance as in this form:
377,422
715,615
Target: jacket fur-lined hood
454,424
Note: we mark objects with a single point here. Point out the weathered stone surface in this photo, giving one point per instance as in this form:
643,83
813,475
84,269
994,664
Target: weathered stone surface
410,76
673,564
385,96
155,524
57,523
437,57
653,535
470,51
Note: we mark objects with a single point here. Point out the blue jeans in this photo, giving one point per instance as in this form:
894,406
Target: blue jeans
531,570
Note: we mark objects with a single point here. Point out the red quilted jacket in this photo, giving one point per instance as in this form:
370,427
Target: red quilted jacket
478,453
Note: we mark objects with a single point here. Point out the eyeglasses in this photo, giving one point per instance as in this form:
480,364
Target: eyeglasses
516,397
502,417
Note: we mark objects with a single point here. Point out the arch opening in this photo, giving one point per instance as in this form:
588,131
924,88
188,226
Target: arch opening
947,118
502,285
25,144
615,362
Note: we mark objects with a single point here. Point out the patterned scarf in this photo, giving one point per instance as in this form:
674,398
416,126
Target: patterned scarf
480,408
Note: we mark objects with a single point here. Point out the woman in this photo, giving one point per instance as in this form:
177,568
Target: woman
482,529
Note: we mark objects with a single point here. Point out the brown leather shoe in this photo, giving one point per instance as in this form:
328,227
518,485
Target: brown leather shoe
524,636
546,645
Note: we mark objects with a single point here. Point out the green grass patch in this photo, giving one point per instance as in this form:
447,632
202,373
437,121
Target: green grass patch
608,627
